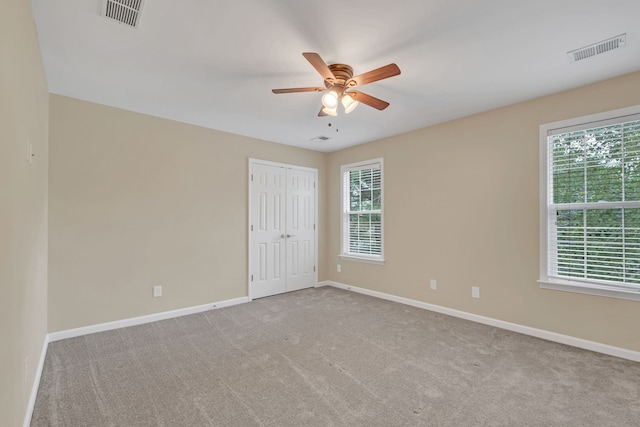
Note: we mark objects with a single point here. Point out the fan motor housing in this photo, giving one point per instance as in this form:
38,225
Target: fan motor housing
342,73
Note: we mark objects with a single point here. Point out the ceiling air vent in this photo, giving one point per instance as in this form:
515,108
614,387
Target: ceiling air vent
319,138
596,49
124,11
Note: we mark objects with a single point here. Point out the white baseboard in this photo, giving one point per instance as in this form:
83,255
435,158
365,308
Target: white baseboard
526,330
36,383
70,333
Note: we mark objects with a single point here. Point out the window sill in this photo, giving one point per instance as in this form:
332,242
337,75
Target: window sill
378,261
589,289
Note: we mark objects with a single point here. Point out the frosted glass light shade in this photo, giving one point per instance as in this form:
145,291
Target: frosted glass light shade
330,111
349,103
330,100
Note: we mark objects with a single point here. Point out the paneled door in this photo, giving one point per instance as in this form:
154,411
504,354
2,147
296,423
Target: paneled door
300,224
282,235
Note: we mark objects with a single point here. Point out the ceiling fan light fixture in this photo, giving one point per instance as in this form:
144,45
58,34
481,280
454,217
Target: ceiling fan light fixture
349,103
338,78
330,100
330,111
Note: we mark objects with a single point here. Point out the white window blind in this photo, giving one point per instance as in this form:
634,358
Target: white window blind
593,204
362,233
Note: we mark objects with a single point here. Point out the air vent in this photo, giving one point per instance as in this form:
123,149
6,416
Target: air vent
319,138
596,49
124,11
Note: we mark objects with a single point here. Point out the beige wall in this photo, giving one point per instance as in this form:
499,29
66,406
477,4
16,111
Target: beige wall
23,209
461,206
137,201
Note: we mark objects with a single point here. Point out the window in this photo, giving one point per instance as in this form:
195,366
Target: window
590,204
362,236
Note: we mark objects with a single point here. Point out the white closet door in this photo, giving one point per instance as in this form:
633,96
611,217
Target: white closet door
282,246
300,229
268,251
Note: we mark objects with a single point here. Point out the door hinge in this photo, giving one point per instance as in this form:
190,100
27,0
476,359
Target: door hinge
252,277
314,268
251,177
251,227
314,226
314,184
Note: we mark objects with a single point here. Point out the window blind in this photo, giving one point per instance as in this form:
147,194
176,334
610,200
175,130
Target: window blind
594,203
362,210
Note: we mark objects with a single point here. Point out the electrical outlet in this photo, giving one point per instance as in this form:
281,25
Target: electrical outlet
157,291
434,284
339,268
475,292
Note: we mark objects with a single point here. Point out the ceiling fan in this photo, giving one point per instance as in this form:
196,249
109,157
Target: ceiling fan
339,81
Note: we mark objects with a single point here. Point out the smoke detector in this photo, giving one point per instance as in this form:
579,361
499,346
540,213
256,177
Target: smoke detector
598,48
126,12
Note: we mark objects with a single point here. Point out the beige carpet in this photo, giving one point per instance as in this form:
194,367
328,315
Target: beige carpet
327,357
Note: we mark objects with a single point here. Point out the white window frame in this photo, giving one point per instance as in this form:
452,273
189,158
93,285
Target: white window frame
574,285
344,215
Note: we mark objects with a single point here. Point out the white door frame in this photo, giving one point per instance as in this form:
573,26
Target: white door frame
253,161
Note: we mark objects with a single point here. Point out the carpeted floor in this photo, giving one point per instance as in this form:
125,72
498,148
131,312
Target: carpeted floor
327,357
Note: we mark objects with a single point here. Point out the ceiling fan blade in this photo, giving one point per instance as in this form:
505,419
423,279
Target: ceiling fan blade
320,66
369,100
374,75
321,113
298,89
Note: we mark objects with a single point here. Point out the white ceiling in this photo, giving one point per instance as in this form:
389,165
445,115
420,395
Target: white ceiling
214,63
